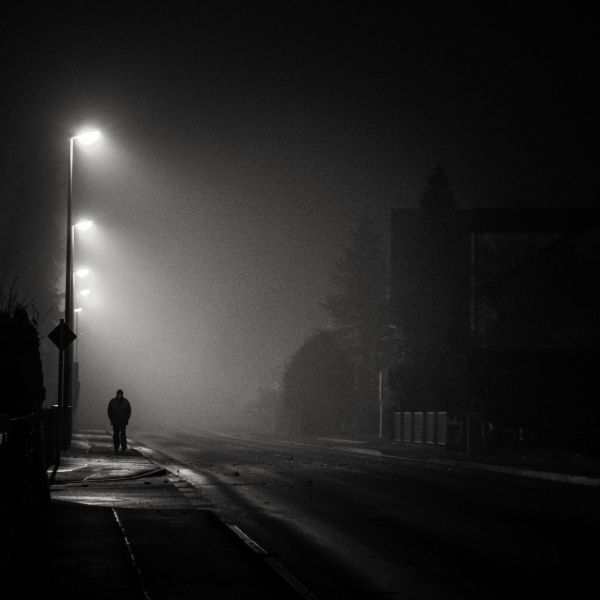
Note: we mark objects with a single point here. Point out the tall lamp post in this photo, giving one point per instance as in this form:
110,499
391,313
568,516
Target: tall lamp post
77,275
85,138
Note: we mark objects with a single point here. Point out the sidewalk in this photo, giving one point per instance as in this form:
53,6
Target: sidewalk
118,526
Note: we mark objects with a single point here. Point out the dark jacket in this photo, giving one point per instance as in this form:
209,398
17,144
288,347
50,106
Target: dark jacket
119,411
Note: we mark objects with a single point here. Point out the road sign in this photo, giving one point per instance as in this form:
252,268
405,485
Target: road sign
62,335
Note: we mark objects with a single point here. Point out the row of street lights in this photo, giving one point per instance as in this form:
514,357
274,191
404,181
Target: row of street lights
65,375
79,274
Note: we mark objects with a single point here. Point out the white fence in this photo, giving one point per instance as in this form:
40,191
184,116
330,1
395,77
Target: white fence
421,427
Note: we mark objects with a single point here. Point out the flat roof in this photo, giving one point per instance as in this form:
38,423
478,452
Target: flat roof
515,220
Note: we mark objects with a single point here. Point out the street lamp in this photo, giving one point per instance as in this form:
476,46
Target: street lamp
76,311
83,225
85,138
79,274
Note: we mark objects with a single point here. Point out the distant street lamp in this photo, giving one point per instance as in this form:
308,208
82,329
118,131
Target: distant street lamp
83,225
66,373
76,311
81,273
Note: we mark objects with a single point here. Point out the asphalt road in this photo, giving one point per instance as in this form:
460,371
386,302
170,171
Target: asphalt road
351,524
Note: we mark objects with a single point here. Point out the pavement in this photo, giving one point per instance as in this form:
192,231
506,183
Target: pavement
119,525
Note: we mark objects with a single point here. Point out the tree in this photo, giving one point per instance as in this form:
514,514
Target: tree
317,395
22,462
360,310
360,305
437,195
263,412
431,302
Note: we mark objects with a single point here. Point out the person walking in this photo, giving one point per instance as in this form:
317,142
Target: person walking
119,413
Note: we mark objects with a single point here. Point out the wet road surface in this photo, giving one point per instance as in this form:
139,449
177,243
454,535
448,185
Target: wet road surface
349,523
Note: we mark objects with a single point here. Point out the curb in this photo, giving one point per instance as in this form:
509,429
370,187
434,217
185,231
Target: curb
584,480
500,469
268,559
521,472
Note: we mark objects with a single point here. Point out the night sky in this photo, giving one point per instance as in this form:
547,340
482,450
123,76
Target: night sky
240,143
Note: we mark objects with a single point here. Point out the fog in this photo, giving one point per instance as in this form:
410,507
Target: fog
198,294
238,147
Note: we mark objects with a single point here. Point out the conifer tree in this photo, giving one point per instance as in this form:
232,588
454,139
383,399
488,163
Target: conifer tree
437,195
359,311
360,304
317,394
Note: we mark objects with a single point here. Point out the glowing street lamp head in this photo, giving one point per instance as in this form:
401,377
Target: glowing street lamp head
85,292
87,137
78,310
83,225
82,272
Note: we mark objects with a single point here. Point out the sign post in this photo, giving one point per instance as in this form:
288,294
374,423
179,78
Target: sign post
62,336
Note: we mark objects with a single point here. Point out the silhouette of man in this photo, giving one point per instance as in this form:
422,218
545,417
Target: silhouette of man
119,413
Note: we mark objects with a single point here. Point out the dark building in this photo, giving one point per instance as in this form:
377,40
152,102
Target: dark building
499,315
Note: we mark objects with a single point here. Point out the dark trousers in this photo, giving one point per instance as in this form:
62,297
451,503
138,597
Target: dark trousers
120,436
